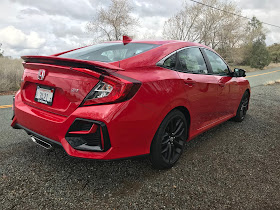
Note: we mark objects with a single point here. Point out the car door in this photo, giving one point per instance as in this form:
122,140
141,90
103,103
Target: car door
227,86
200,86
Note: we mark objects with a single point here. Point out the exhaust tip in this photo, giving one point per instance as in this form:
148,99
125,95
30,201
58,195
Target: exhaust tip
41,143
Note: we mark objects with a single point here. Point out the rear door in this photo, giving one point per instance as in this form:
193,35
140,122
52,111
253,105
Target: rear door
227,86
200,87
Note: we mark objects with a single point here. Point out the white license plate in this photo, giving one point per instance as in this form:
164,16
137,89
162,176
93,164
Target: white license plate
44,95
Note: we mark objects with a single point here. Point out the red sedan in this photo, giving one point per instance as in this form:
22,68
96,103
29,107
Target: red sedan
122,99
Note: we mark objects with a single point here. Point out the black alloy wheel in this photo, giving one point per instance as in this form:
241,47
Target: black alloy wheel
242,109
169,140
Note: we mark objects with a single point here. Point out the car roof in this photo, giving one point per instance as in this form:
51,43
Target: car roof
162,42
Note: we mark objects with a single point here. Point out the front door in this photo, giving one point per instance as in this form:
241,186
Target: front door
200,87
226,85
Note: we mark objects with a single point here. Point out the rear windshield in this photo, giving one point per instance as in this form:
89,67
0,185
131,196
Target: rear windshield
109,52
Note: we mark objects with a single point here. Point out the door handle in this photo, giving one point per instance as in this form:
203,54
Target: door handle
189,82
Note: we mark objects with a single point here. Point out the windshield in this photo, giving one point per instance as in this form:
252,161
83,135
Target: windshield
109,52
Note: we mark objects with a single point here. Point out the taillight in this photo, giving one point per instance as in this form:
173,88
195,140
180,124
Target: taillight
111,90
22,80
101,90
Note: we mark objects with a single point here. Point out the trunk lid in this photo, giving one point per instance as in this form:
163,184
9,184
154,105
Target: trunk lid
59,85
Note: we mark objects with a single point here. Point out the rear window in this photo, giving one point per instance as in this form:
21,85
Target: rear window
109,52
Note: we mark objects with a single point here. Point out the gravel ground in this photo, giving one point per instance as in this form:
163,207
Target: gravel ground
233,166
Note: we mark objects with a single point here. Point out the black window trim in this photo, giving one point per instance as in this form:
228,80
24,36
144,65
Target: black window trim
161,61
205,57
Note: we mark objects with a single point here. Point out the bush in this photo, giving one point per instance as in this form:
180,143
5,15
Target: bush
258,55
274,51
11,71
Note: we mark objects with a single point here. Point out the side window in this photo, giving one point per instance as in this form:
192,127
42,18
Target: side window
192,61
170,62
218,65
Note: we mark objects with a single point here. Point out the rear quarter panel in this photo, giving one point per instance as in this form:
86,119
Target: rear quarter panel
161,91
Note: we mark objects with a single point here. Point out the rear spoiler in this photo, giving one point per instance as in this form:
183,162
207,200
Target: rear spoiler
74,63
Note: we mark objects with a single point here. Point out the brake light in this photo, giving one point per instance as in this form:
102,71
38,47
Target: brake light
101,90
22,79
111,90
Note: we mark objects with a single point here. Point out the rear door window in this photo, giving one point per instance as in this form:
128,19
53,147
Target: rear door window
170,62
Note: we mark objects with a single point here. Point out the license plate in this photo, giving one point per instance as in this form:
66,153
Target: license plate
44,95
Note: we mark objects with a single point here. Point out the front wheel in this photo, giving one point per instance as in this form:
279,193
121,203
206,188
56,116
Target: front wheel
242,108
169,141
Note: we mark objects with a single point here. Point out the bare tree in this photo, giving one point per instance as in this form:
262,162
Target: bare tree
202,24
181,25
113,22
217,29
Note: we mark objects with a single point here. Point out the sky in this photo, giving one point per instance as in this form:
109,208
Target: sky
45,27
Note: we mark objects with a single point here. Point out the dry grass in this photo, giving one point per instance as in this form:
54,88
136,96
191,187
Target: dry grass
11,71
249,69
272,82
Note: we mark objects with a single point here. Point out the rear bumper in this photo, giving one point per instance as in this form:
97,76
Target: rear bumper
37,135
124,132
107,155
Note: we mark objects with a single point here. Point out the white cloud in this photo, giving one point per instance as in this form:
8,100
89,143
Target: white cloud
266,16
76,9
15,38
48,27
159,8
150,27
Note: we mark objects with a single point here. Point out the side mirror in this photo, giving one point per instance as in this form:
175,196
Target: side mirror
239,73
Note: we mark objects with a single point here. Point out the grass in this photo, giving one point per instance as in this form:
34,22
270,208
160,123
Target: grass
11,71
273,82
250,69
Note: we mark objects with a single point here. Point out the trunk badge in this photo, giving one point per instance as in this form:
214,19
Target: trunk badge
41,74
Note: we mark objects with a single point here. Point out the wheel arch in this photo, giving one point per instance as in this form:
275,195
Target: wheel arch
249,92
185,112
187,115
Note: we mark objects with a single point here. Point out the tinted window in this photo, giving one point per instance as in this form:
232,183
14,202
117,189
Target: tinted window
191,60
109,52
218,65
170,62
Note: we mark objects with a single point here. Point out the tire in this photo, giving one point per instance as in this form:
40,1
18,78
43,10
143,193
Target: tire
242,108
169,140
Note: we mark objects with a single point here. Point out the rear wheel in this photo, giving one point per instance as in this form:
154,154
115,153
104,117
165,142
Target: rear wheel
168,143
242,109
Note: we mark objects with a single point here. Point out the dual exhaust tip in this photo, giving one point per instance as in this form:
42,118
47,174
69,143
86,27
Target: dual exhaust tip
42,143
